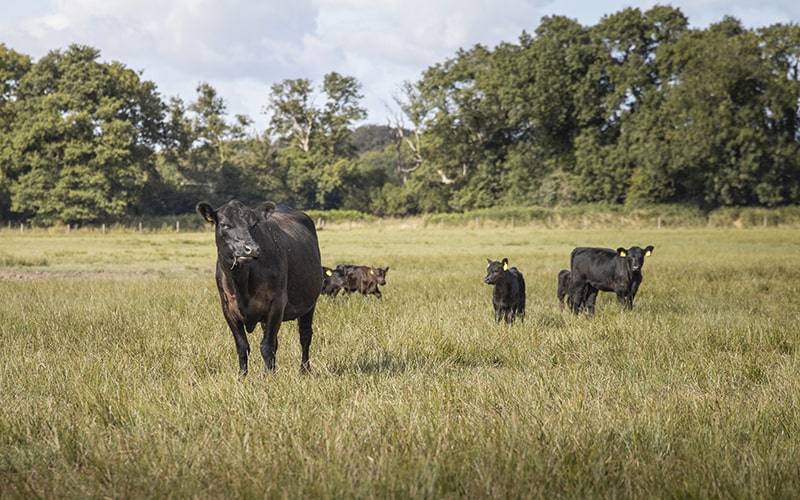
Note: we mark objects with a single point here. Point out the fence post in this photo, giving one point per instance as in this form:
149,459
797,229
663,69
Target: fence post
177,226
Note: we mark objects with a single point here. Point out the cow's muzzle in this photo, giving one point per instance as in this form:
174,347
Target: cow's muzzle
248,253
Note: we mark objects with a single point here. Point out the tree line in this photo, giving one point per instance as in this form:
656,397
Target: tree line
636,110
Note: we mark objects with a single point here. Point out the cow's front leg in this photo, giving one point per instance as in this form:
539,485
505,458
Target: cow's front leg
242,347
632,293
629,301
622,297
510,315
269,344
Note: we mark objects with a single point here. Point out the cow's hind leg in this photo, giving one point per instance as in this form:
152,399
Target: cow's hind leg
590,297
578,293
304,325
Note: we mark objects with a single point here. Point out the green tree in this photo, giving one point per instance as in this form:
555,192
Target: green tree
211,157
634,66
551,99
780,181
13,67
718,134
314,142
463,131
83,141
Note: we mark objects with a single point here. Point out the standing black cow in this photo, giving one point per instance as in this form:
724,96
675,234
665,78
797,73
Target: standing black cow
594,269
508,296
268,271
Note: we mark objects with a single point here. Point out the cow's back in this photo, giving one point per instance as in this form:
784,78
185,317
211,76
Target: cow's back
597,266
294,235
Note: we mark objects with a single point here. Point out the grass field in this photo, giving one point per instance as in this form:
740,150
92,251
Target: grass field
119,376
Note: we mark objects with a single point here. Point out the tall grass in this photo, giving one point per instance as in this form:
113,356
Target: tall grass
119,377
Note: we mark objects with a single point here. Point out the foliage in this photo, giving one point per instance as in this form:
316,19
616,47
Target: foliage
636,110
666,115
325,217
81,145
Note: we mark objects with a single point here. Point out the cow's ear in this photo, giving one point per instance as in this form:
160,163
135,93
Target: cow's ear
488,262
649,250
269,207
207,212
505,264
622,252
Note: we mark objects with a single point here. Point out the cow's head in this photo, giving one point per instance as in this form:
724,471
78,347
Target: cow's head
234,224
634,256
380,274
332,279
495,270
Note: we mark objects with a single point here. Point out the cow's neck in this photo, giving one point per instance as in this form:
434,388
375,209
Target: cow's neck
239,276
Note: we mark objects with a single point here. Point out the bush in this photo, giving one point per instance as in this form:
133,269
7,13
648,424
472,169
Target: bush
322,217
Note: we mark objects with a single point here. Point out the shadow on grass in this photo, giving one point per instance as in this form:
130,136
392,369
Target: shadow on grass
397,363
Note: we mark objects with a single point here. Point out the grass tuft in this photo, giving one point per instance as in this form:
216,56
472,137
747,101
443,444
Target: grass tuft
119,375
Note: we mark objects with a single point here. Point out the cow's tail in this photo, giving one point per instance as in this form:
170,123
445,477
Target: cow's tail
572,259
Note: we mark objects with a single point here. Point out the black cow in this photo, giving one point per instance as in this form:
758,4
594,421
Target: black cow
508,296
332,281
594,269
363,279
268,271
564,281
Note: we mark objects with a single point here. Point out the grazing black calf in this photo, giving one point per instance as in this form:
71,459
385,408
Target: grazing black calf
332,281
508,296
565,289
595,269
564,281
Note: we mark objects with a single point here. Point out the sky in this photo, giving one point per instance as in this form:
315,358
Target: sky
243,47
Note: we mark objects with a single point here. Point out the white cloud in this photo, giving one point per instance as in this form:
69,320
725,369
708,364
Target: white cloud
242,47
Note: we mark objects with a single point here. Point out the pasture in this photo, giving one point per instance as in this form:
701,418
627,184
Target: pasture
118,374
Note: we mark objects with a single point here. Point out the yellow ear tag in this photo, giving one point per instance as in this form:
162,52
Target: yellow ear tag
505,266
328,273
647,253
623,254
371,271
